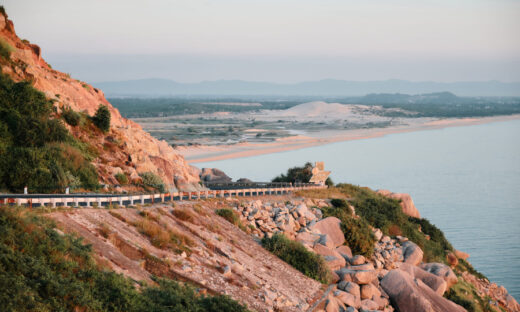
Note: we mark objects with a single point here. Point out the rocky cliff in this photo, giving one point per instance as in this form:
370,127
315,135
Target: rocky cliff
126,148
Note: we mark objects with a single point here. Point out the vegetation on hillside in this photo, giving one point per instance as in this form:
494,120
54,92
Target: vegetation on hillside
231,217
356,230
299,175
386,213
36,150
43,270
102,118
295,254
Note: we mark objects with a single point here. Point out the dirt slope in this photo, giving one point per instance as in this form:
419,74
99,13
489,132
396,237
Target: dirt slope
215,255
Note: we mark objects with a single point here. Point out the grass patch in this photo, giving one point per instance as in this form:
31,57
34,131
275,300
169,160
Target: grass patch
231,217
183,214
386,214
162,237
465,295
5,50
295,254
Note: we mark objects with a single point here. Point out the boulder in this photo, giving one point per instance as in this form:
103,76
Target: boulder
369,291
345,251
214,175
369,304
347,298
350,287
357,276
412,254
452,259
334,260
461,254
357,260
433,281
325,240
331,227
412,295
406,203
441,270
307,238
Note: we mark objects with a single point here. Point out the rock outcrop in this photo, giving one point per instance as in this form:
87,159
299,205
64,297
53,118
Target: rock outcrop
126,148
214,175
409,294
406,202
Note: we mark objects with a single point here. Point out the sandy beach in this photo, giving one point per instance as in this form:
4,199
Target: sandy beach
198,154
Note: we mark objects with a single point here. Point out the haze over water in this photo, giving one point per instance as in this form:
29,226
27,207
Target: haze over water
466,180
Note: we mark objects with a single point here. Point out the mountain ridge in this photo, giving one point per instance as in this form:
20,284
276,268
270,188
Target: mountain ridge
324,87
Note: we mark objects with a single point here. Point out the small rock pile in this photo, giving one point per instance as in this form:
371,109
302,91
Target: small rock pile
289,218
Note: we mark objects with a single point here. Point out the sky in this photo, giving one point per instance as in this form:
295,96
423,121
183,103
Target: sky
275,40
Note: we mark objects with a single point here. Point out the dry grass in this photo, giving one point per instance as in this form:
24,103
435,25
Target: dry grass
118,216
183,214
104,230
161,236
158,236
330,192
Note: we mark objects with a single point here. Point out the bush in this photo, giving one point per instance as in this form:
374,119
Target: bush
231,217
36,150
295,254
357,232
121,178
296,174
5,50
152,180
102,118
386,214
71,117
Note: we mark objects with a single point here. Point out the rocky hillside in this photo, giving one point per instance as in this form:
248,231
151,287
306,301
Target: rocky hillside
126,148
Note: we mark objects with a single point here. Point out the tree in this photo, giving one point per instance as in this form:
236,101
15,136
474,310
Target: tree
102,118
296,174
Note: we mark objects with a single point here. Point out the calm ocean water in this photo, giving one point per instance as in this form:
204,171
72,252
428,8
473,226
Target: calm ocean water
466,180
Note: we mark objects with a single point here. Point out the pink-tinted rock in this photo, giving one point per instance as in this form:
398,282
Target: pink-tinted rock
433,281
331,227
412,254
407,204
441,270
357,260
345,251
332,257
412,295
347,298
368,291
461,254
357,276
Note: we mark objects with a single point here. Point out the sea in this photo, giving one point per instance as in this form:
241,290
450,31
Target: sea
465,180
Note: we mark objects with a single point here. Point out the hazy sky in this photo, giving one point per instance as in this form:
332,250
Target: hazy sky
275,40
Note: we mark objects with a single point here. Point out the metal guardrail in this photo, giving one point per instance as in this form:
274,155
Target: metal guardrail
246,185
99,200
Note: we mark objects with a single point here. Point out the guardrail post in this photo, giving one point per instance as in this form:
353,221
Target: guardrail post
198,195
162,198
142,199
99,202
189,195
121,201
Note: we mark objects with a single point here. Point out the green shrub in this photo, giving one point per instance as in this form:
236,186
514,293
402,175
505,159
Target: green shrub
71,117
296,174
5,49
386,214
102,118
231,217
152,180
121,178
357,232
36,150
295,254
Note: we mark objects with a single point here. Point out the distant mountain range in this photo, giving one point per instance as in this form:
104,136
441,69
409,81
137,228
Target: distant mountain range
328,87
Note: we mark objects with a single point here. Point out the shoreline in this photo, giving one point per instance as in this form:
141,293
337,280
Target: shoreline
199,154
